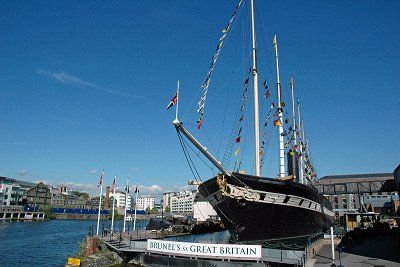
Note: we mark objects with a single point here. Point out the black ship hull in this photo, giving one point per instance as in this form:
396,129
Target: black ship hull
256,209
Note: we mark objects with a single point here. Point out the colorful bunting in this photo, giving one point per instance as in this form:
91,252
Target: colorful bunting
100,183
278,122
267,94
214,58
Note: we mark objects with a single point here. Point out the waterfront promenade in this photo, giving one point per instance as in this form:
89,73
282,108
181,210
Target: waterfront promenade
380,251
139,234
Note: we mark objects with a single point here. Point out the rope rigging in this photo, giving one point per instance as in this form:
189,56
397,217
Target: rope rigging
195,172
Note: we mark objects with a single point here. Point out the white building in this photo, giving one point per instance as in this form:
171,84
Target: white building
182,202
166,200
145,202
10,194
12,191
202,210
120,199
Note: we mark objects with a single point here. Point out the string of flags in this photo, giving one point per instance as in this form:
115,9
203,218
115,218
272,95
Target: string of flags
263,142
214,58
100,183
238,136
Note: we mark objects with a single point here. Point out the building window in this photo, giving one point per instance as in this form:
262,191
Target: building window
336,200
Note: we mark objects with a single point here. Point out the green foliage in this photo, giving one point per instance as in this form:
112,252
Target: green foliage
47,212
117,216
78,194
167,209
151,211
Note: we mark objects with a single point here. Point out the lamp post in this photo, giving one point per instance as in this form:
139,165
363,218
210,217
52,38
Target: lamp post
162,215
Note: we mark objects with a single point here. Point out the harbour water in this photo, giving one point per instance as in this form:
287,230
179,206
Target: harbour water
46,243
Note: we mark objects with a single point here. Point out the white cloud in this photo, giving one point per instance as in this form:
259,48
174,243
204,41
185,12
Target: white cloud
22,172
154,188
93,171
80,187
180,187
66,78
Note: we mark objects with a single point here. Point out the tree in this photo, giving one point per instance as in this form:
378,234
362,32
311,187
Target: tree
78,194
48,214
151,211
117,216
167,209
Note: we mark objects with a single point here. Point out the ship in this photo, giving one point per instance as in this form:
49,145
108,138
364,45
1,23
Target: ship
253,208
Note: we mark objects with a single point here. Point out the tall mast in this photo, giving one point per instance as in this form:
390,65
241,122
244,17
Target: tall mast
301,179
305,150
294,127
255,89
280,128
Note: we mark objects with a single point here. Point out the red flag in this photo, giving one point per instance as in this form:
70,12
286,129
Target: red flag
238,140
199,123
173,101
278,122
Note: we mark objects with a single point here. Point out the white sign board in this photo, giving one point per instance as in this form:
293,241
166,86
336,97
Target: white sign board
204,249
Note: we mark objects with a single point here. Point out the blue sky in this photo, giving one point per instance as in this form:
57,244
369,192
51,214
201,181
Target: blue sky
84,84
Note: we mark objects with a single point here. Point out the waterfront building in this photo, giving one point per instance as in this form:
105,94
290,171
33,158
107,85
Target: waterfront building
10,194
145,202
396,174
12,191
69,201
348,200
166,200
182,202
202,210
119,197
38,195
58,190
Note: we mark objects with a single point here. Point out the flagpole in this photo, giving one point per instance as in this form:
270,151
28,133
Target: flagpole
301,144
126,200
101,193
280,128
136,193
307,178
177,101
294,132
112,218
255,93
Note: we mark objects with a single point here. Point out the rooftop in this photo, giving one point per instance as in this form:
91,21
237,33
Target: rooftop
358,176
